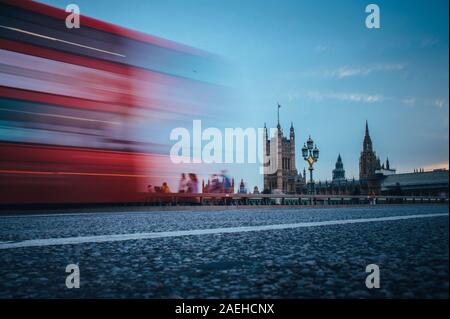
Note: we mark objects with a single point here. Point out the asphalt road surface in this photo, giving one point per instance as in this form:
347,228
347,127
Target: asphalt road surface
242,253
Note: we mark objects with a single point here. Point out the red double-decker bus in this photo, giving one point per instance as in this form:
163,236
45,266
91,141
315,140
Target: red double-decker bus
84,111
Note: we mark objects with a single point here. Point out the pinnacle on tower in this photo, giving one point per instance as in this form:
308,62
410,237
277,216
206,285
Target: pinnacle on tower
278,125
266,135
292,134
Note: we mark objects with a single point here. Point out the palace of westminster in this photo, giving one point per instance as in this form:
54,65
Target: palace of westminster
374,177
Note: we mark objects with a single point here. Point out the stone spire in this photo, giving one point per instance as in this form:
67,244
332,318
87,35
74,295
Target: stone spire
292,133
266,135
367,146
368,161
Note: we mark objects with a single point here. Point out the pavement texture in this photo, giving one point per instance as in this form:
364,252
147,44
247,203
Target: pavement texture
309,262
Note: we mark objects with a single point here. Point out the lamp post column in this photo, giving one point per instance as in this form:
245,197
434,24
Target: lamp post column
310,154
311,182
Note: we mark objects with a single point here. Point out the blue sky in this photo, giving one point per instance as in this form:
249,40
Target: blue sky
327,70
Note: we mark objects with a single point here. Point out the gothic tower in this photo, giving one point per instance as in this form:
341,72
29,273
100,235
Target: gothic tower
368,161
280,172
339,172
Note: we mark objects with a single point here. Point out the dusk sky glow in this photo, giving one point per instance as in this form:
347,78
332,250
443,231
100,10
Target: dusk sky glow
327,70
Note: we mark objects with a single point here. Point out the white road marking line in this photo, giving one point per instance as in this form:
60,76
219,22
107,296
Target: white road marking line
179,233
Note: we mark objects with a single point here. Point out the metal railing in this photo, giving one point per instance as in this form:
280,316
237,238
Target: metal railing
283,199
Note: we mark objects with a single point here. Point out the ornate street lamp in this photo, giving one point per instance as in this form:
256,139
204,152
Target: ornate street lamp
310,153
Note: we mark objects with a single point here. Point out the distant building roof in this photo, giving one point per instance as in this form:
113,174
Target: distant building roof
385,171
433,179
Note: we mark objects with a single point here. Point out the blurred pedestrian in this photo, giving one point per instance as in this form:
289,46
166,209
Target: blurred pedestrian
216,185
226,182
193,183
242,188
183,185
165,188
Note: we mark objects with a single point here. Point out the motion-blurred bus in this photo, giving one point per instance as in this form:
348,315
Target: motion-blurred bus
85,112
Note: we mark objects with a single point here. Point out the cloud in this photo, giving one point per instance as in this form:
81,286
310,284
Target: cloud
440,103
359,97
340,96
429,42
346,71
321,48
410,101
351,71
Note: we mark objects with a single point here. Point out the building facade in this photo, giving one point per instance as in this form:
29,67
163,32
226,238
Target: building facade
339,187
420,183
280,172
375,178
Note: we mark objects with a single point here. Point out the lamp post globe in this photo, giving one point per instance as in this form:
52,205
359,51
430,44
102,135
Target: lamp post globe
316,153
305,152
310,143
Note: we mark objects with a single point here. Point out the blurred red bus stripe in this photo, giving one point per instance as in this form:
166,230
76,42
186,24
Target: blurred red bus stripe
69,58
74,173
61,100
42,147
136,73
104,26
